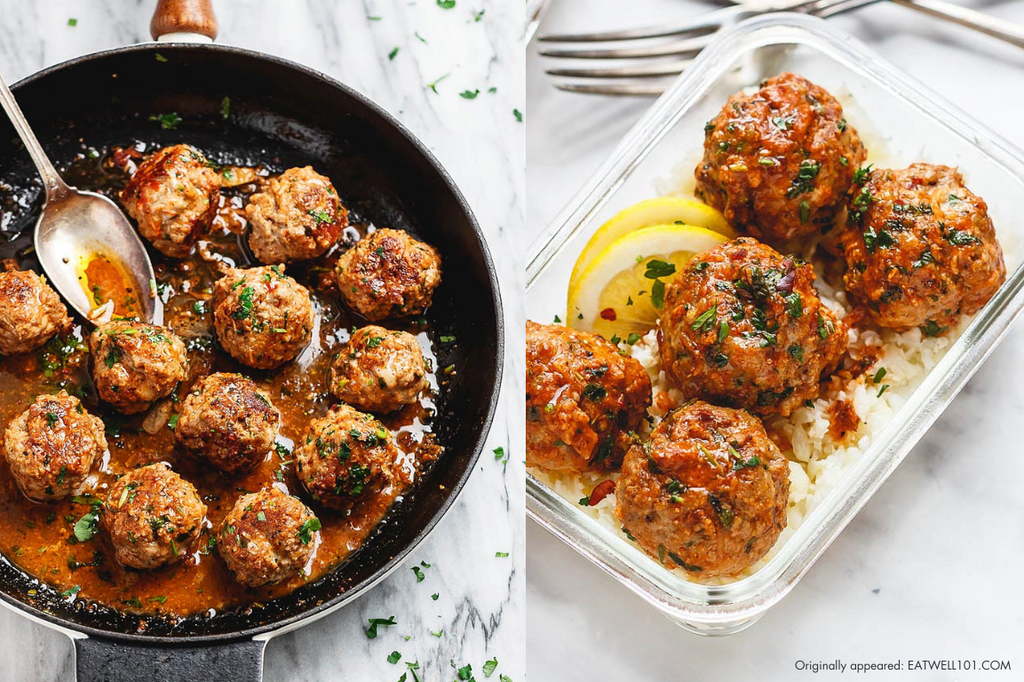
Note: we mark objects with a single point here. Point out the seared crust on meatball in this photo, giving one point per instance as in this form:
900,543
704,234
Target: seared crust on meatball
30,312
296,217
742,325
173,196
263,317
226,421
707,493
920,248
266,537
135,364
153,516
389,274
346,456
51,447
379,370
584,401
778,162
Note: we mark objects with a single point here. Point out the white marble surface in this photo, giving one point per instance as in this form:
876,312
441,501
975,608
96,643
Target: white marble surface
929,569
481,605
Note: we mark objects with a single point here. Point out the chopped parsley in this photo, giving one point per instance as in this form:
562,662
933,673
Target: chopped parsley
371,631
705,322
469,94
393,54
307,529
85,527
167,121
245,304
960,237
321,217
804,180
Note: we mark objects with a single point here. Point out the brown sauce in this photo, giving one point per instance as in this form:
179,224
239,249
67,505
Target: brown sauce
39,538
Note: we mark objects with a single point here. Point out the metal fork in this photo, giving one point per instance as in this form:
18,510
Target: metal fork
692,35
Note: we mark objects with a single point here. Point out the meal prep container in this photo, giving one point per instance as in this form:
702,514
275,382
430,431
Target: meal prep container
907,123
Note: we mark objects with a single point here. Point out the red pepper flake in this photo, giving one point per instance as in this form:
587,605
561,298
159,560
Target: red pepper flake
601,491
608,314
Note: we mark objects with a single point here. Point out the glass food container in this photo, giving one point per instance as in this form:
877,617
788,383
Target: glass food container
900,122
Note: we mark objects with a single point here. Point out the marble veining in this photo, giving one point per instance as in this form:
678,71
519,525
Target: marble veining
927,569
481,597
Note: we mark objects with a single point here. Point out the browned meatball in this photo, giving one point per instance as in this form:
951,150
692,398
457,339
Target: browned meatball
173,196
226,421
51,446
389,274
135,364
707,493
30,312
742,325
379,370
267,537
920,249
263,317
778,162
584,401
296,217
153,516
346,456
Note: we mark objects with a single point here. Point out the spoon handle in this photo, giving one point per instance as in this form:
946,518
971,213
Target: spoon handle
55,186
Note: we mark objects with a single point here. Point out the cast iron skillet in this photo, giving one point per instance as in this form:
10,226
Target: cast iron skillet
296,116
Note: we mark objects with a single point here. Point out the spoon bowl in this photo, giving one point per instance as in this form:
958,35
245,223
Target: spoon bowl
80,231
77,227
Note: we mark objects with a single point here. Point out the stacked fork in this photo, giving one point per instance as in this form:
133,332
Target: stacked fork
662,52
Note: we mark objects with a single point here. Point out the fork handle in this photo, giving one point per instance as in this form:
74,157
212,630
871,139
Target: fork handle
964,16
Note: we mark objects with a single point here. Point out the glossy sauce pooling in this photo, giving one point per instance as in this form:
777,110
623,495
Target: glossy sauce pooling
40,538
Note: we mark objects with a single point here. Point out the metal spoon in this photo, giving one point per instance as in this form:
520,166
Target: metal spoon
77,225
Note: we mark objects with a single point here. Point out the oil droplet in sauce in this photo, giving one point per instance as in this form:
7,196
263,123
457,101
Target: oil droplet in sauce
109,286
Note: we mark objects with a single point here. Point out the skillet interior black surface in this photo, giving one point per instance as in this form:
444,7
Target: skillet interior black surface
293,116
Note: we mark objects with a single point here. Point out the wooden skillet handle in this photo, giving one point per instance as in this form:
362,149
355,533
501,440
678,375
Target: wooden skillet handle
183,16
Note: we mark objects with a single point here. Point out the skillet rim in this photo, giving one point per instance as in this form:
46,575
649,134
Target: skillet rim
308,614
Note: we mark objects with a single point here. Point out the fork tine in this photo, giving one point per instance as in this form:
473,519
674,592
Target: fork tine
650,71
623,89
703,23
687,47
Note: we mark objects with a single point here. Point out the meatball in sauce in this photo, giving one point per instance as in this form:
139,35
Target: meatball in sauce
778,162
346,457
379,370
135,364
919,247
267,537
585,402
31,313
173,197
153,516
297,216
742,325
226,421
388,274
52,447
707,493
263,317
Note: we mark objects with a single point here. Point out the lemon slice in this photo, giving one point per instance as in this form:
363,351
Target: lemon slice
648,213
613,295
